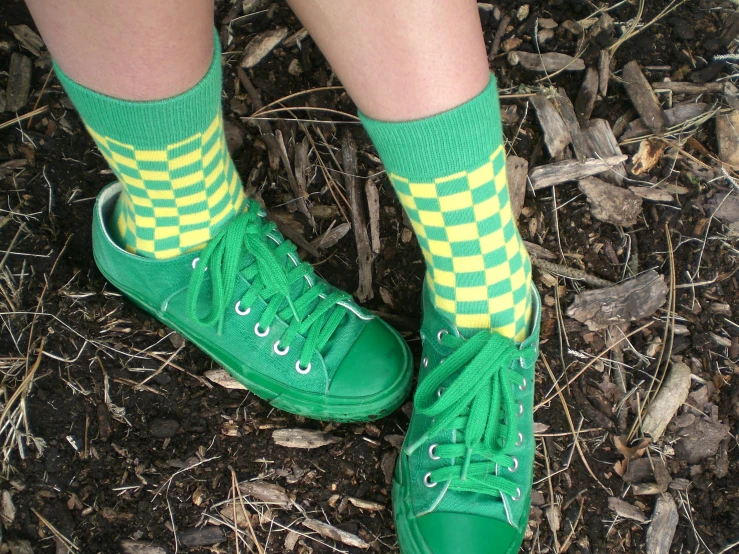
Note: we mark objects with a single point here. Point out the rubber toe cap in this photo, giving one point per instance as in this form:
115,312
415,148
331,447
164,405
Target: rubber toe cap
451,533
378,361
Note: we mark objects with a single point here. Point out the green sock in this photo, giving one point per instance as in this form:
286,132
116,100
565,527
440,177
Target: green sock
449,173
180,185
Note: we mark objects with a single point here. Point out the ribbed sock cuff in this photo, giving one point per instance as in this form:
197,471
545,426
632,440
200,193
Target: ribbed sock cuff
443,144
155,124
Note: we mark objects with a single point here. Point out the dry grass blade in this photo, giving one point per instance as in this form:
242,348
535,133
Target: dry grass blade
23,117
294,95
61,538
235,487
259,114
587,366
672,6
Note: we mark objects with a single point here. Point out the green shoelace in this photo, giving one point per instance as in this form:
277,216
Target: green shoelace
245,247
480,406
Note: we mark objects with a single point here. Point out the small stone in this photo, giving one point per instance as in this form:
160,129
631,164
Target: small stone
234,136
164,428
294,68
523,12
511,44
545,35
547,23
572,26
141,547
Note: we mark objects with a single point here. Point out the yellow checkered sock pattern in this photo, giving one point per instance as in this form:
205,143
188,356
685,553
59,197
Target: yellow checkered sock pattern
450,176
175,199
180,186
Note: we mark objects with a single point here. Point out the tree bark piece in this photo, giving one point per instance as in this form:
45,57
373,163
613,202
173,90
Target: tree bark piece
672,394
644,99
498,36
611,204
373,203
586,98
141,547
549,62
631,300
28,39
664,522
331,532
261,45
333,235
365,255
556,135
570,170
19,82
727,133
303,438
517,169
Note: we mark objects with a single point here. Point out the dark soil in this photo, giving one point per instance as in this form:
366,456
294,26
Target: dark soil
103,459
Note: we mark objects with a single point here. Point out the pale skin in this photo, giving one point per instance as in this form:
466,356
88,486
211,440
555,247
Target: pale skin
399,60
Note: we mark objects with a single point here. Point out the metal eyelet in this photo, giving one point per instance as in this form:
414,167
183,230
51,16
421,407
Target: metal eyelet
522,387
520,439
428,482
442,361
439,392
518,495
195,262
514,469
425,361
259,332
239,311
302,370
440,335
432,450
280,351
520,409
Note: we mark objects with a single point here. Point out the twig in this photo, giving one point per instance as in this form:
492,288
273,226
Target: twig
64,540
38,100
23,117
243,509
498,36
570,273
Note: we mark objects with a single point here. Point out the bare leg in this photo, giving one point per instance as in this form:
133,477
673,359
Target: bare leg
132,49
401,60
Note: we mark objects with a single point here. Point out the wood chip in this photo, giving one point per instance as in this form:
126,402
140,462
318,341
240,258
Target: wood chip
724,206
331,532
631,300
653,194
261,45
271,493
251,6
7,509
223,378
727,134
19,82
291,540
586,97
597,140
517,170
672,394
332,236
604,71
373,203
141,547
539,251
365,255
644,99
570,170
700,440
626,510
387,464
205,536
28,39
549,62
610,203
664,522
679,87
675,116
366,504
556,134
296,38
303,438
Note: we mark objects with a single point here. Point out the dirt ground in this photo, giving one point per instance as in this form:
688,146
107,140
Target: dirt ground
96,460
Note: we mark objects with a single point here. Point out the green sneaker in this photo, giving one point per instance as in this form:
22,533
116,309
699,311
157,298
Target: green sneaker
248,302
463,480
